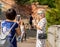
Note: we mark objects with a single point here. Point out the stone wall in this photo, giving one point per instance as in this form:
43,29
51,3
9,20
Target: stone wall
54,36
23,10
7,4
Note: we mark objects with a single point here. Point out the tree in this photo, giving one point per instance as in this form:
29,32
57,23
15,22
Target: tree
50,3
52,15
21,1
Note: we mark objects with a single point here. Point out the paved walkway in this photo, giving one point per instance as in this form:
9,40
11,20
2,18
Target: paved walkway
31,42
31,39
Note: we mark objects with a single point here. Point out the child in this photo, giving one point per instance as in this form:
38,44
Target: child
8,23
23,33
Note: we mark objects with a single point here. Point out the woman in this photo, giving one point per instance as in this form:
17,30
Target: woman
41,25
8,23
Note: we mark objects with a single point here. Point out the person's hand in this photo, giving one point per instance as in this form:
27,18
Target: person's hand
34,23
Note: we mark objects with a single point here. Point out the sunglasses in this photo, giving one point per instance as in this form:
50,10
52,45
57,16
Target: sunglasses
39,13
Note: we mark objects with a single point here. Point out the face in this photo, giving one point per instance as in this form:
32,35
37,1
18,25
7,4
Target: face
42,15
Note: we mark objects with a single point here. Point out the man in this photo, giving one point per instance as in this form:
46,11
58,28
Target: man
41,26
30,20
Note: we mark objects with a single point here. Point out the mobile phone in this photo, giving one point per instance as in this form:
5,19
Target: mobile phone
18,17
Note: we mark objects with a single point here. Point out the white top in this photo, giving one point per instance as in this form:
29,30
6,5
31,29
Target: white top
42,24
22,28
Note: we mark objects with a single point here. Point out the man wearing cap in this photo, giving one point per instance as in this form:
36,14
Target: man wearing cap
41,27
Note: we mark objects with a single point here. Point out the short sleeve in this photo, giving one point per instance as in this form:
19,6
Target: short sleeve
2,23
16,26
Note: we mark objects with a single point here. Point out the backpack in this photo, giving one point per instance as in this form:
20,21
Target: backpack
4,42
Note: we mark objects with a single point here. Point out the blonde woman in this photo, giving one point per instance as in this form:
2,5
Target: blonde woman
41,25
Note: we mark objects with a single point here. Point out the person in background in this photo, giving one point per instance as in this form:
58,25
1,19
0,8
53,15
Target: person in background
30,21
18,18
41,27
7,24
23,31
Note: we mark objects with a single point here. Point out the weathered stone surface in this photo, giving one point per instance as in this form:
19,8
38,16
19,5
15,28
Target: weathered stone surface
54,35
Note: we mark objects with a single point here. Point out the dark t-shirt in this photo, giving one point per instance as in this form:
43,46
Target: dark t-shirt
31,18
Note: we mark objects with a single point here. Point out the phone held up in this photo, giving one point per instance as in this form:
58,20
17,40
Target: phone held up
18,18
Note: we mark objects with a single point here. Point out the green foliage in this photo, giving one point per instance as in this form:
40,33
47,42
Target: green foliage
53,17
50,3
21,1
25,1
53,14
